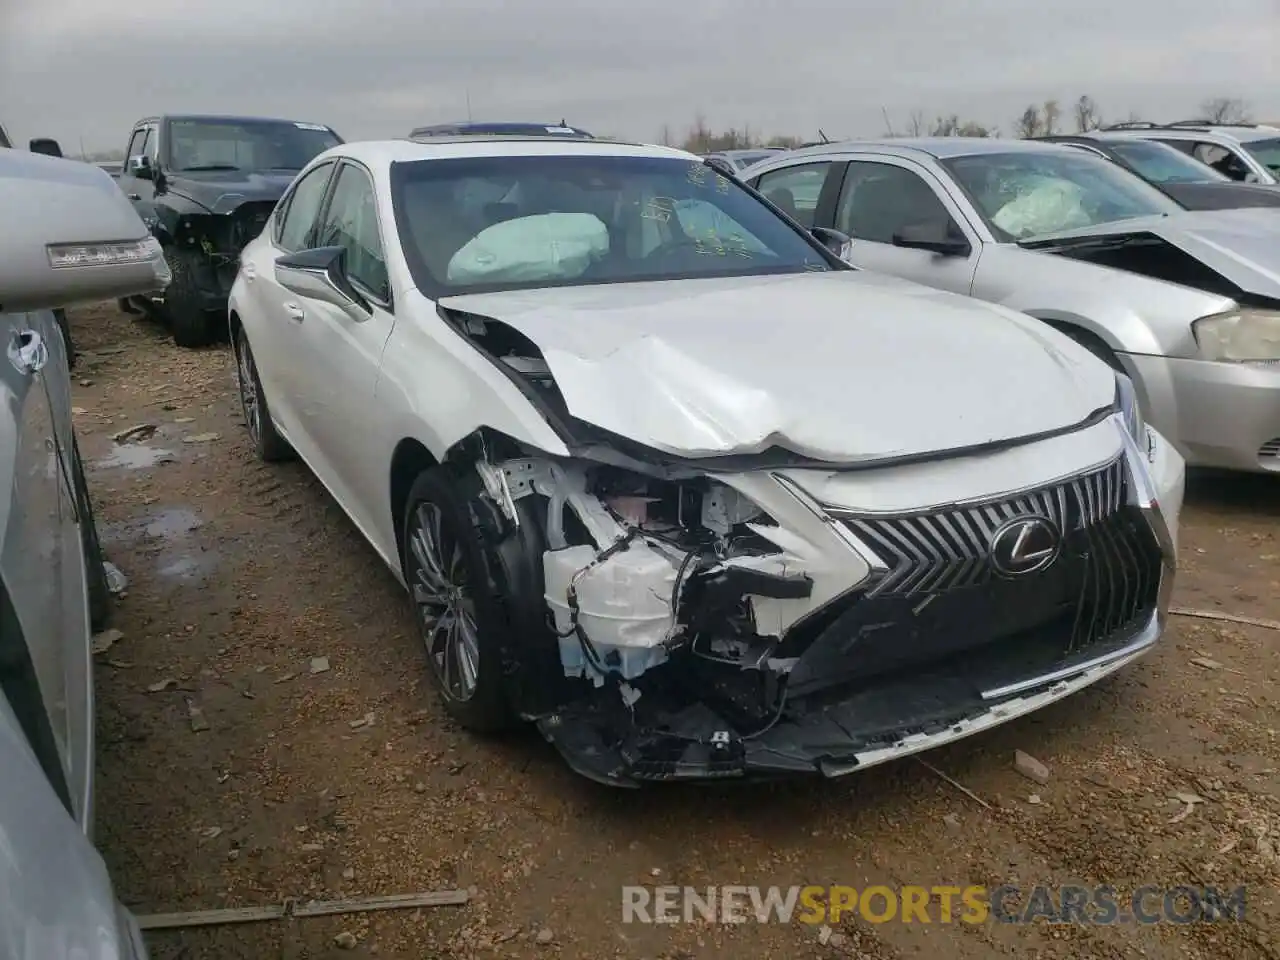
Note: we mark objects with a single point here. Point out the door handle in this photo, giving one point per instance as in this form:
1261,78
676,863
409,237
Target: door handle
27,352
249,271
295,312
134,196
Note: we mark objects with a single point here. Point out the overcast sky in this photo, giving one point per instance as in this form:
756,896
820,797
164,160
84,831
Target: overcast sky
88,68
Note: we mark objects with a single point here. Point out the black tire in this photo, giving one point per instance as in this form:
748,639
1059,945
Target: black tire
189,322
440,493
267,442
95,573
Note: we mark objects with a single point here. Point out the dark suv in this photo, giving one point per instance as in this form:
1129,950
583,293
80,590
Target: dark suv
206,185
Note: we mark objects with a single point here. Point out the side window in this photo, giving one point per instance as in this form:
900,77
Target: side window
303,206
135,146
1221,159
796,189
352,223
878,199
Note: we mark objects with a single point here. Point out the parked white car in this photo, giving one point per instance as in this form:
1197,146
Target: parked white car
666,476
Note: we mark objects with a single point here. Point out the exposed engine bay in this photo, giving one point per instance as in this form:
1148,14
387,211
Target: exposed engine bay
685,622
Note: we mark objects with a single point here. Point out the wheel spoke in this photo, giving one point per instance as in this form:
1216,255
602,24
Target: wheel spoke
429,572
468,650
438,585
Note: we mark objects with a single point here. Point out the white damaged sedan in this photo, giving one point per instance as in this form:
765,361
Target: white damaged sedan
664,476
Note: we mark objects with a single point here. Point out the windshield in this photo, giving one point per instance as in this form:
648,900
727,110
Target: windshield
504,223
1163,164
245,144
1031,194
1266,152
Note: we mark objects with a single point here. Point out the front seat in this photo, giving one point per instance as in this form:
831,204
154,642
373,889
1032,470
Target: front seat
785,200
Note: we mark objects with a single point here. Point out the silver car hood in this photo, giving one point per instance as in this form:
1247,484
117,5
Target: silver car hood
1242,245
840,367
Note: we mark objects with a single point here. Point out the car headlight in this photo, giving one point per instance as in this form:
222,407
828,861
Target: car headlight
1243,335
1127,404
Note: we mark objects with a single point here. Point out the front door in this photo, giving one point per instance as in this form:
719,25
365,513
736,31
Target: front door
880,197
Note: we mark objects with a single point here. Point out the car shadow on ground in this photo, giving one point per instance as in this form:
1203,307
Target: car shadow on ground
1242,494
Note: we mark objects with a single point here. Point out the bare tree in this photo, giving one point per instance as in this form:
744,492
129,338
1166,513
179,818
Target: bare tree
698,139
953,126
1049,115
1225,110
1029,123
665,137
786,142
915,123
1087,115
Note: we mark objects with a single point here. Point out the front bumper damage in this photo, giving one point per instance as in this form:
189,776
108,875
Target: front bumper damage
203,249
768,633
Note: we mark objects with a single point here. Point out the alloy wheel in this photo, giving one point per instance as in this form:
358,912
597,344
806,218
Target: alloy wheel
248,389
446,610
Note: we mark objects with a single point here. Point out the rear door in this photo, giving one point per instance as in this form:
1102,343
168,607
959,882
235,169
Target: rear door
271,314
799,189
40,558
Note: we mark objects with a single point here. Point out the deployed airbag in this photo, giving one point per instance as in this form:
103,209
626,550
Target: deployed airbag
549,246
1044,206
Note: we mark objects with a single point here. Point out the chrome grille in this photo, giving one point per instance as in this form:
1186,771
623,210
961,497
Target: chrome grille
929,552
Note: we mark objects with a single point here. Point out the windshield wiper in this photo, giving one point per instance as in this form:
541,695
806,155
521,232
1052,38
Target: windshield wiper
1141,238
209,166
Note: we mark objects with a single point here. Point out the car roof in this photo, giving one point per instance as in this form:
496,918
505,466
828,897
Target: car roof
1221,135
222,118
939,148
497,127
385,152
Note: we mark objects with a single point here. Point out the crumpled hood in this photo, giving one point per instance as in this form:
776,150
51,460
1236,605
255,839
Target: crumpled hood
222,191
1243,245
840,367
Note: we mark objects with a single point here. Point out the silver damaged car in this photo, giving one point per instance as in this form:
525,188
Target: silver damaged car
68,235
1186,302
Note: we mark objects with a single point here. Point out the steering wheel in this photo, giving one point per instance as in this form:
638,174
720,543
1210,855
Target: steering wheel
674,247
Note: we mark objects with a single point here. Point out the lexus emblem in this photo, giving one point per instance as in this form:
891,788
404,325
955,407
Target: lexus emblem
1024,545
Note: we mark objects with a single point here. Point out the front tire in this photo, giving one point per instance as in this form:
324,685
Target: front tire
189,322
267,442
460,617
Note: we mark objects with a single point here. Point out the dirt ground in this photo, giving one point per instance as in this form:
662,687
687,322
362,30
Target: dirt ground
240,574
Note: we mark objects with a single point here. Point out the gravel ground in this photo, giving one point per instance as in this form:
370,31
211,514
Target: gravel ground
276,787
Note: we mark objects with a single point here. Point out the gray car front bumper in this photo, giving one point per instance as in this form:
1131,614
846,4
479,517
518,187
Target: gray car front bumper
1219,414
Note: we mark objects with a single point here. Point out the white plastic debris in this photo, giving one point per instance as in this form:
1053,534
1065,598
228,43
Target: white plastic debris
117,582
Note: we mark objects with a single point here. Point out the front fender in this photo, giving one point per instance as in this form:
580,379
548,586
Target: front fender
1128,312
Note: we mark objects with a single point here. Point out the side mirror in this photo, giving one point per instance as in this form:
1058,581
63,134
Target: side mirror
936,236
45,145
838,243
141,168
321,274
70,236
